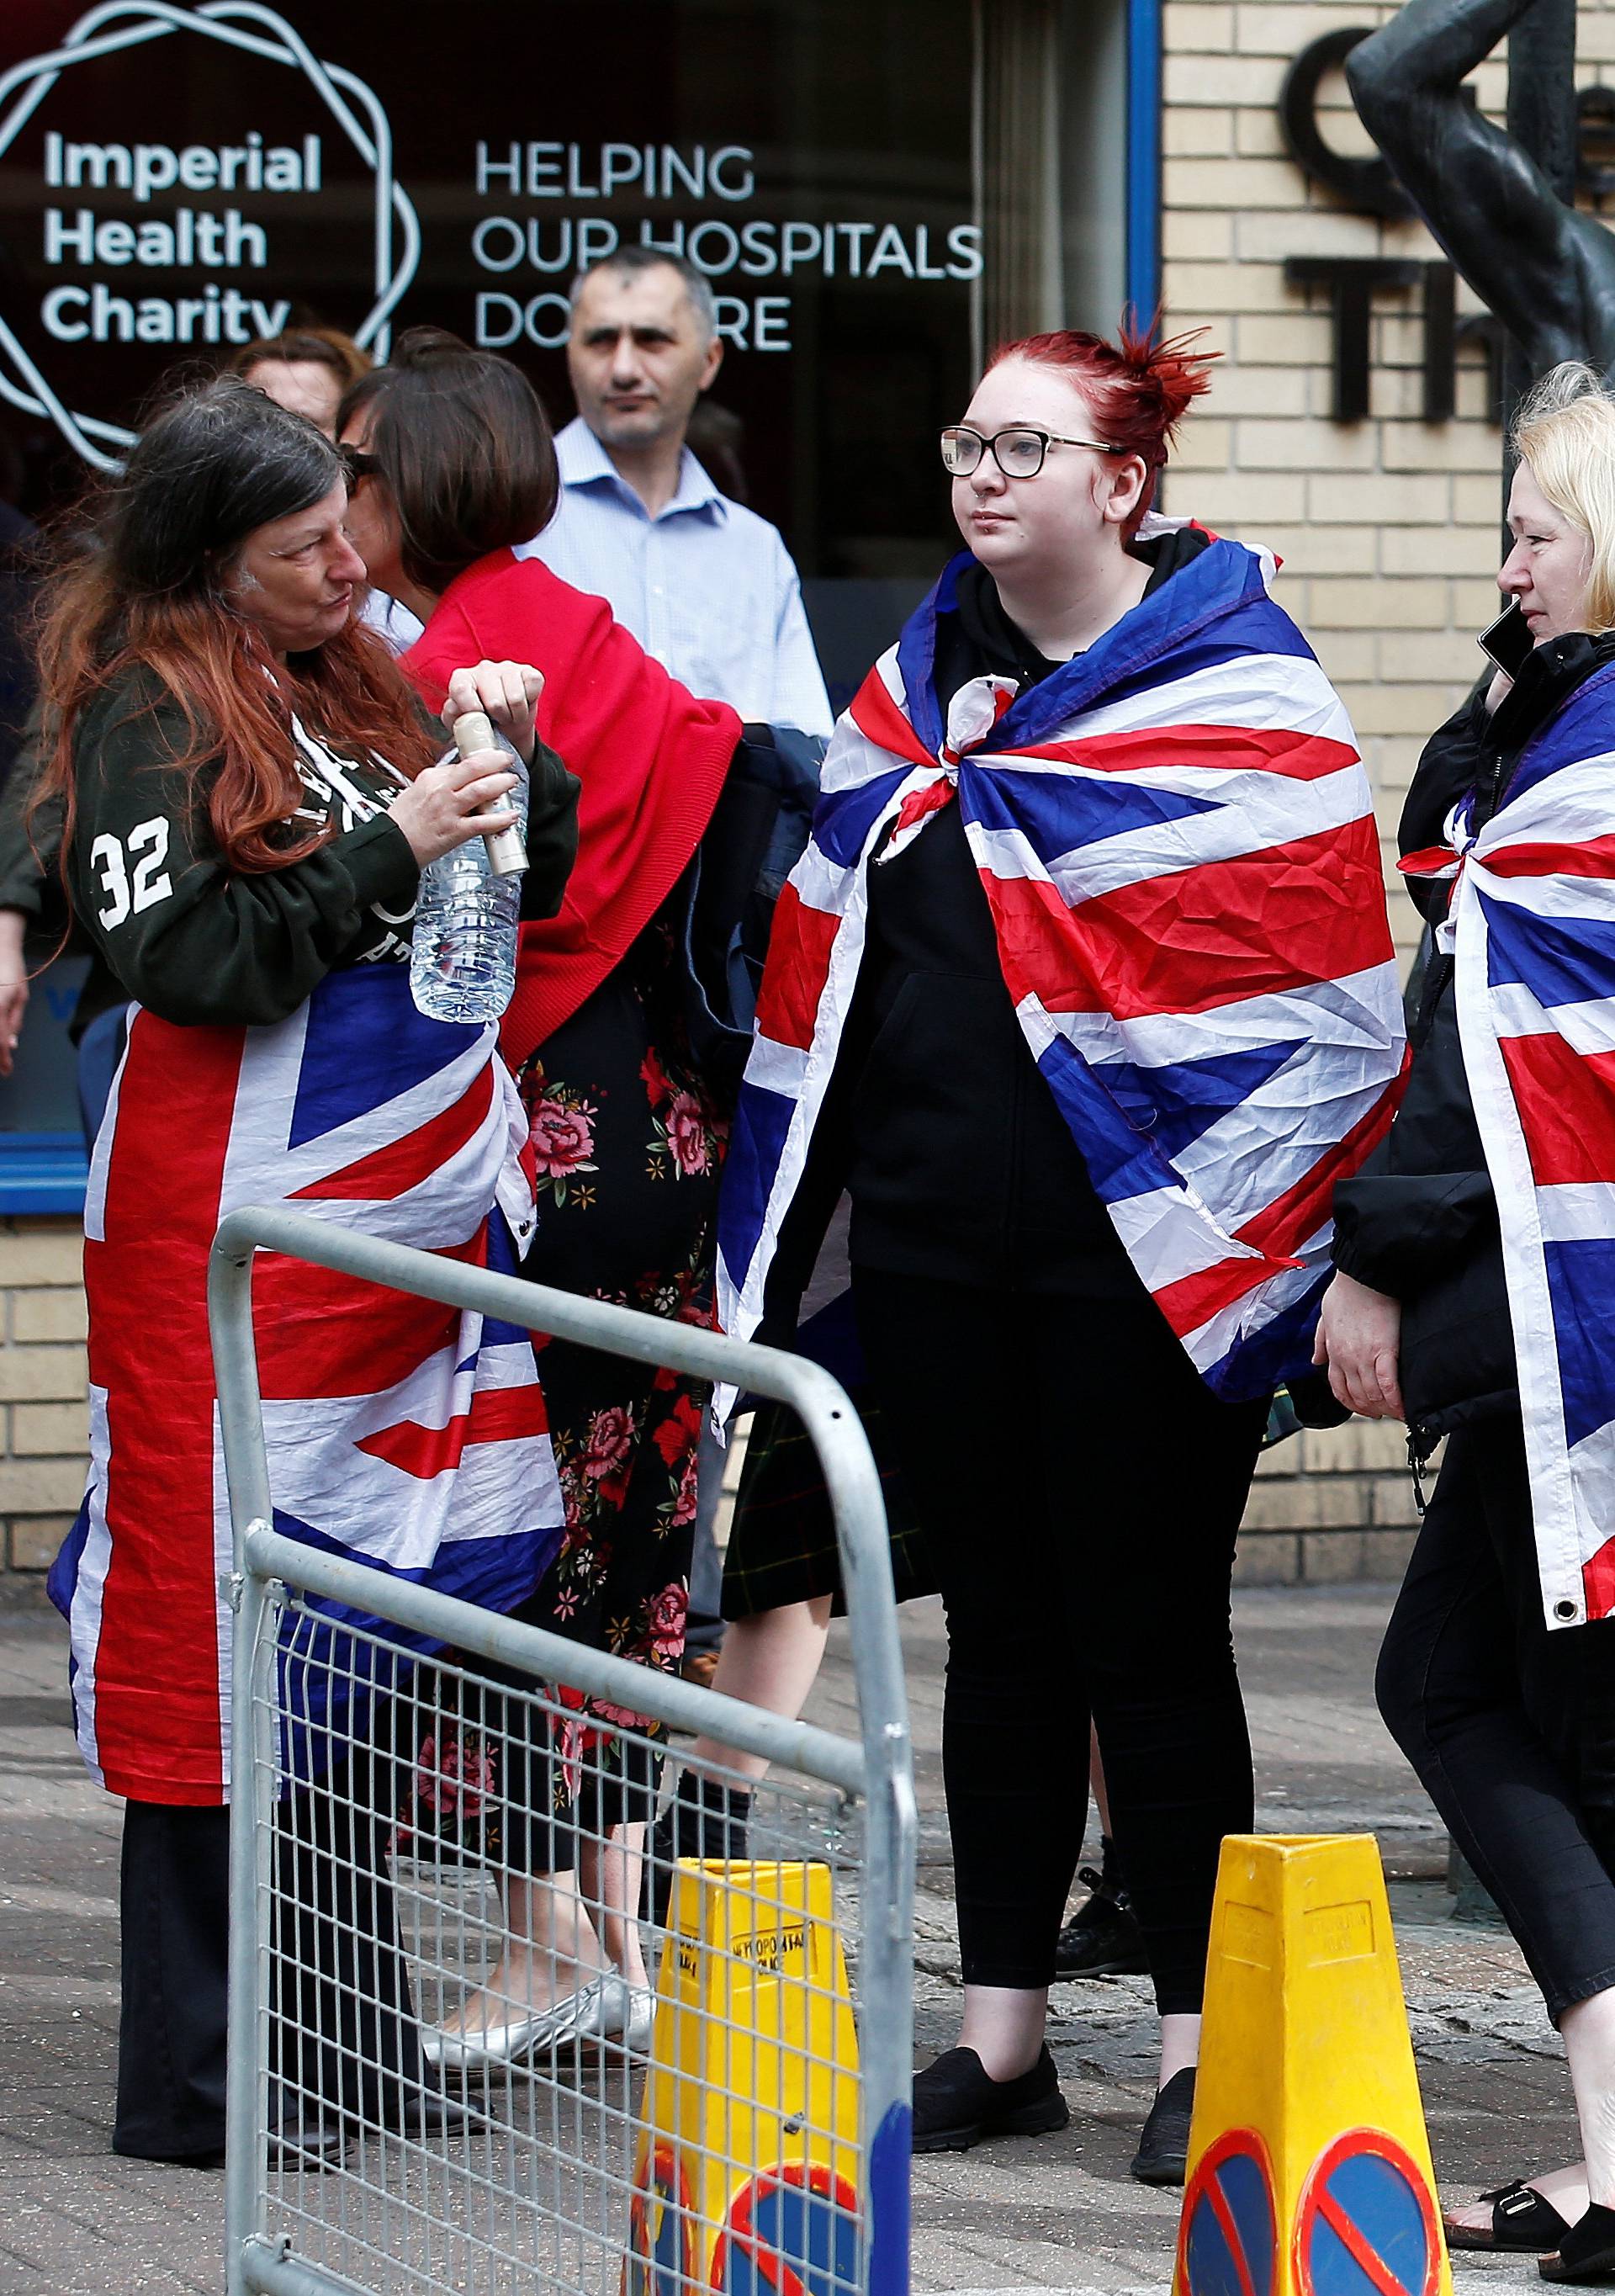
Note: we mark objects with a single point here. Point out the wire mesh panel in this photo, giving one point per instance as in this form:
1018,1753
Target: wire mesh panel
523,1994
511,2039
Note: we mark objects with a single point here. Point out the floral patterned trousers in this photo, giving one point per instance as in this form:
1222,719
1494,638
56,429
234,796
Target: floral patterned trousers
630,1147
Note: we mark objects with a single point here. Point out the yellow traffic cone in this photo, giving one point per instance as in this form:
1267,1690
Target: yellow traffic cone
746,2174
1309,2168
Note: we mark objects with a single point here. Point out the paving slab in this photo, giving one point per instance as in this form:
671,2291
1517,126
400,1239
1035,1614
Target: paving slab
1055,2213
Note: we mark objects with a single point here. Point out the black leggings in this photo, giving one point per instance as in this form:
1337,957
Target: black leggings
1510,1727
1079,1490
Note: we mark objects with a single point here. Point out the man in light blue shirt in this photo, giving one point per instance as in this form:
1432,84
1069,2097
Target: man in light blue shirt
706,586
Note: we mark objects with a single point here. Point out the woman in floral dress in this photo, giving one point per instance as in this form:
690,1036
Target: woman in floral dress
628,1143
626,1054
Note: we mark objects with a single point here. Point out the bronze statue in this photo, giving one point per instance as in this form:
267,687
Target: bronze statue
1547,272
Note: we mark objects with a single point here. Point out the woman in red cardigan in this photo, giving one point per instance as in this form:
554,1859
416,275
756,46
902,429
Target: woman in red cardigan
626,1055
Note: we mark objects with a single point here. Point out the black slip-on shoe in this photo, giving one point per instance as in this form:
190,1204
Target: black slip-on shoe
1585,2256
304,2133
307,2142
426,2111
215,2158
1522,2222
1103,1938
1162,2156
956,2105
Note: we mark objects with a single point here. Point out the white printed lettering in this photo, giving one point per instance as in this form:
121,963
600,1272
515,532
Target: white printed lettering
771,324
147,845
149,841
106,857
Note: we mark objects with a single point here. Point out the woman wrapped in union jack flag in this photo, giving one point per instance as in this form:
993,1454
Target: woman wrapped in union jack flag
1477,1260
1084,994
245,790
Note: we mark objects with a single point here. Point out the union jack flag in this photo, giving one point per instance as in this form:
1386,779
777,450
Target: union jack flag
1532,930
1176,840
398,1430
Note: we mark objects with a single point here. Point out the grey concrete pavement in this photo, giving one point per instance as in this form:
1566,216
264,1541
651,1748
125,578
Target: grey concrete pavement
73,2219
1062,2212
1048,2213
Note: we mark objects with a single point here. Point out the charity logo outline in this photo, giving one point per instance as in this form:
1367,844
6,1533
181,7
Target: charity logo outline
88,40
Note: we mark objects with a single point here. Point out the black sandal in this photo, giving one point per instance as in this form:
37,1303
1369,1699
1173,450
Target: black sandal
1585,2257
1521,2221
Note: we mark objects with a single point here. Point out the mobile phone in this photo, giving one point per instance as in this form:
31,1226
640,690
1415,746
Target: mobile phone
1508,640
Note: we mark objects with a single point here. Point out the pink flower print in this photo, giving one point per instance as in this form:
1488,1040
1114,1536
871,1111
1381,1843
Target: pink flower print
687,1136
453,1776
683,1505
564,1138
569,1748
608,1442
666,1623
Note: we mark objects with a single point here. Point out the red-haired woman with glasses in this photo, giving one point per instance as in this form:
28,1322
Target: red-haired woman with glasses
1082,994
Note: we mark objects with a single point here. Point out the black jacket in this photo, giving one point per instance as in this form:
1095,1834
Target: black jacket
722,907
254,947
1420,1220
30,883
200,944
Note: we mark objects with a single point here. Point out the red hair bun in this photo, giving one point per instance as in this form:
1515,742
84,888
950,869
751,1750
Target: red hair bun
1139,388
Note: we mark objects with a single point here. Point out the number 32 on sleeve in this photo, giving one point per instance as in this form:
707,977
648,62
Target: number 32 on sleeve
147,847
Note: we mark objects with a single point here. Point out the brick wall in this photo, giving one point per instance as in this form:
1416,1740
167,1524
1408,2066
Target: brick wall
1389,533
1387,528
43,1414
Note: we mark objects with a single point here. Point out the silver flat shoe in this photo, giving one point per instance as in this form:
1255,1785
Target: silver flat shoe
576,2017
642,2021
628,2016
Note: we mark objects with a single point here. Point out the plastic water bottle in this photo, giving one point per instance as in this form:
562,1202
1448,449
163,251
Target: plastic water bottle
463,963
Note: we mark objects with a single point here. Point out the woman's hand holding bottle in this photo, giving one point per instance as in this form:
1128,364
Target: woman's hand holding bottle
447,803
450,802
506,693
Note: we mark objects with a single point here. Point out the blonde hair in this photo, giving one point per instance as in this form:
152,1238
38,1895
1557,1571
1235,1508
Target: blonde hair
1565,434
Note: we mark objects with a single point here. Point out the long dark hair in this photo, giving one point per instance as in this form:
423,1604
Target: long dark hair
211,468
463,449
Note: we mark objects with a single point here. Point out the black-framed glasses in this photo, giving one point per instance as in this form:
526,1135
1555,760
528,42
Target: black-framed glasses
1018,452
359,465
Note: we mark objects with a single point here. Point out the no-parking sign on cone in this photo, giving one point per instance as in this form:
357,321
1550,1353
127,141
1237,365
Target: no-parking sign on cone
1309,2168
746,2179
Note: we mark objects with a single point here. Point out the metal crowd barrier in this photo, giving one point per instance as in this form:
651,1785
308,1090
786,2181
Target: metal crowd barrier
395,1820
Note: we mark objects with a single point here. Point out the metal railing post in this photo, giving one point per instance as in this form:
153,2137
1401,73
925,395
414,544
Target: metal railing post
251,1765
886,1959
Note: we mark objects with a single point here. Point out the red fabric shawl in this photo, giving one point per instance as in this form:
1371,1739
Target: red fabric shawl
651,759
